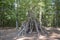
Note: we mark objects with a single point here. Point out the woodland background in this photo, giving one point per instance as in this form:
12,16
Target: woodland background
49,10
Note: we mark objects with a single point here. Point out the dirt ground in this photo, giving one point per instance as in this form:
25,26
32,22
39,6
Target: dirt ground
11,34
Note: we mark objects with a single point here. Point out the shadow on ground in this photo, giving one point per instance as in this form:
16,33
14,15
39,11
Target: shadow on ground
11,34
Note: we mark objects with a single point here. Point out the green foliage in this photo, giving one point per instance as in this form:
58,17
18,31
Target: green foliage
50,10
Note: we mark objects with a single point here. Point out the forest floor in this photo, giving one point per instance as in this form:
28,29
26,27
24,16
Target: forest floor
10,34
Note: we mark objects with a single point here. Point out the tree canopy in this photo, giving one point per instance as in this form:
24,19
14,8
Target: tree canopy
48,11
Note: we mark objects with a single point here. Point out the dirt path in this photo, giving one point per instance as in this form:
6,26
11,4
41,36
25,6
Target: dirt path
7,34
10,34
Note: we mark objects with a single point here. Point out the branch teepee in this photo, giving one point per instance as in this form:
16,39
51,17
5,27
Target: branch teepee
31,25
